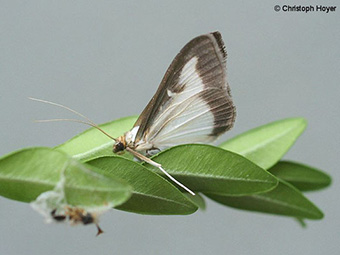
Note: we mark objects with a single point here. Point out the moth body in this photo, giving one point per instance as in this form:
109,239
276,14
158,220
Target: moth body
128,140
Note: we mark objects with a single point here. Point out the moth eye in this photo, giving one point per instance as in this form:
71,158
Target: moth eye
118,147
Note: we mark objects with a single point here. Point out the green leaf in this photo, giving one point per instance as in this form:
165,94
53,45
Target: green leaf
283,200
151,193
265,145
303,177
198,200
205,168
92,143
27,173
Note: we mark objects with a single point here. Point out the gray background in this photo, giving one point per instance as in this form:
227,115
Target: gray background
106,59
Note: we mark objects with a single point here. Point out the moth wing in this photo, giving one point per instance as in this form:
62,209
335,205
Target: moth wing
193,102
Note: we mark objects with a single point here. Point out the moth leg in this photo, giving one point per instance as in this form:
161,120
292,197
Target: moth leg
159,166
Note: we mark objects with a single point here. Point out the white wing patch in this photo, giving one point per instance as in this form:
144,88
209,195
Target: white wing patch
187,118
130,136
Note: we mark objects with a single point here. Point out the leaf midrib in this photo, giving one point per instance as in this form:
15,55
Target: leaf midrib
33,181
219,177
312,181
279,202
160,198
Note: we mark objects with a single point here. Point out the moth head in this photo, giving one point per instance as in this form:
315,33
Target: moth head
119,146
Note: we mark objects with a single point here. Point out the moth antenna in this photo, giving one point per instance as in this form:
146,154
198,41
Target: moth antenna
88,122
159,166
62,106
78,121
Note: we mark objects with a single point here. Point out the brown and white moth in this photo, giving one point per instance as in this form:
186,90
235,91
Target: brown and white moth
193,103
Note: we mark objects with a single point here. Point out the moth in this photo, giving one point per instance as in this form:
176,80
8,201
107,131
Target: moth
77,215
192,104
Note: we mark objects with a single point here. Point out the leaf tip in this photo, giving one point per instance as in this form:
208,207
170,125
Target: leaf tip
318,214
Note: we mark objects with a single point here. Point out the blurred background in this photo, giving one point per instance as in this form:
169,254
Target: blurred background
106,59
